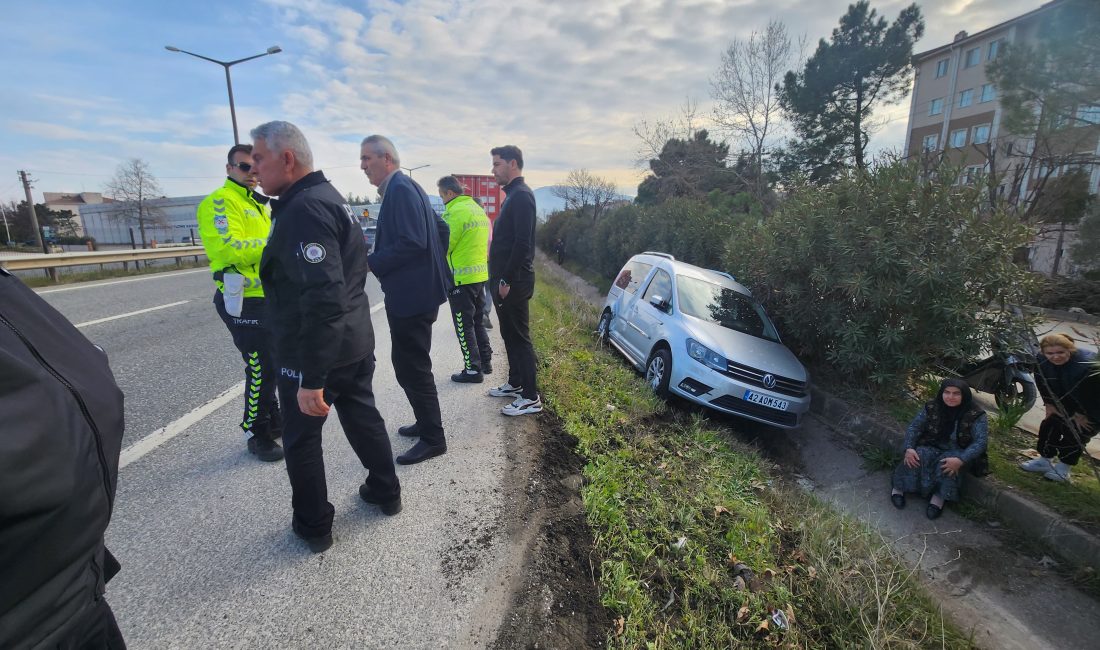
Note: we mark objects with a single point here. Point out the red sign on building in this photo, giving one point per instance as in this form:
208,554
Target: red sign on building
486,190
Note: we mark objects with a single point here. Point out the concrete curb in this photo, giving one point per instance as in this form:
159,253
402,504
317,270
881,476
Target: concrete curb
1037,522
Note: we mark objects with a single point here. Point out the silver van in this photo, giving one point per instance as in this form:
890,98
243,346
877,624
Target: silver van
700,335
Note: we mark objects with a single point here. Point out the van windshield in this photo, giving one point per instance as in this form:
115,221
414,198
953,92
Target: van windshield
725,307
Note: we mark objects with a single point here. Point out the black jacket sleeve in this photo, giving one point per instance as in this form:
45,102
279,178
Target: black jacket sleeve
522,207
320,275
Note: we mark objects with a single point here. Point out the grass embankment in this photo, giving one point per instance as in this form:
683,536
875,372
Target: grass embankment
107,274
680,511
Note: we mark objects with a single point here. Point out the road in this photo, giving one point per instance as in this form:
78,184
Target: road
202,528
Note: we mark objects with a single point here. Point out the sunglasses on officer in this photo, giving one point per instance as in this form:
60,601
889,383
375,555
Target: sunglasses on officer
243,166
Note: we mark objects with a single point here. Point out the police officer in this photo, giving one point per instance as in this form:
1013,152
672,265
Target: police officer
314,270
468,258
234,222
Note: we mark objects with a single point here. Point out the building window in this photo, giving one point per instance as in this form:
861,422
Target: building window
936,106
930,142
988,93
941,67
981,134
958,138
994,48
1088,114
973,57
972,174
966,97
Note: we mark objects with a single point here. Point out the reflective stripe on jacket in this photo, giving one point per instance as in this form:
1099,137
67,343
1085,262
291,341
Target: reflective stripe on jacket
468,251
234,227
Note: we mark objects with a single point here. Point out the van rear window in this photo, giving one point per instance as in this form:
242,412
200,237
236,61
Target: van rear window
632,276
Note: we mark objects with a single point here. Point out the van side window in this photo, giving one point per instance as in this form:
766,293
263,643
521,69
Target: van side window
661,285
632,275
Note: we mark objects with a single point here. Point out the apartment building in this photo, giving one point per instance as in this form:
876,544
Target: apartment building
955,112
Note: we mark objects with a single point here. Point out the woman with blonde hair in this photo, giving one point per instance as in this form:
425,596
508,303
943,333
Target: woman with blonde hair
1067,379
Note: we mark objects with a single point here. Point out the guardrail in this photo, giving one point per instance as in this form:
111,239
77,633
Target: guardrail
20,262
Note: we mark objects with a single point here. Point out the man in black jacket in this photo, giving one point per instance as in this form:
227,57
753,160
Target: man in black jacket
60,437
409,260
313,271
512,280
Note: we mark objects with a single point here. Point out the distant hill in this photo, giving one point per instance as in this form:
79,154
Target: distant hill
547,203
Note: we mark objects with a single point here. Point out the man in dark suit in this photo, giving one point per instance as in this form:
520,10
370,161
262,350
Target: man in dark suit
409,261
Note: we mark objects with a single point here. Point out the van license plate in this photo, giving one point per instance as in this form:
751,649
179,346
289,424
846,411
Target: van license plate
765,400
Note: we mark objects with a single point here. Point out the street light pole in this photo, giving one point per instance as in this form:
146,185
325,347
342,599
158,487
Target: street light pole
274,49
412,169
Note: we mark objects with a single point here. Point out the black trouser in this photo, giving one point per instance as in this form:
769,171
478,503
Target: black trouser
348,389
513,313
468,313
261,408
412,363
1056,438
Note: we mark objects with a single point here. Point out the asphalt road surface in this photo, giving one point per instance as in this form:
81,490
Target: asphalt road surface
202,528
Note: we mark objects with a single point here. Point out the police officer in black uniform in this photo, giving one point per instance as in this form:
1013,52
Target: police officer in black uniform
314,270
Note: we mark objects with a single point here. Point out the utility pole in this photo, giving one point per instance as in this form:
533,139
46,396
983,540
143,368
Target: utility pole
30,207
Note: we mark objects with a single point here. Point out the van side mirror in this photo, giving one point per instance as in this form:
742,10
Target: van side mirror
659,303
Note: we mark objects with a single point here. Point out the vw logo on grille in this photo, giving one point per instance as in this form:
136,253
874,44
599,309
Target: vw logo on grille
769,381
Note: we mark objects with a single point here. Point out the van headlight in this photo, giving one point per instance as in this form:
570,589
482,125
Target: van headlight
705,355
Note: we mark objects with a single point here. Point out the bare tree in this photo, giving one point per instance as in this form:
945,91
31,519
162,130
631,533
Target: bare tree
654,135
133,186
583,190
744,89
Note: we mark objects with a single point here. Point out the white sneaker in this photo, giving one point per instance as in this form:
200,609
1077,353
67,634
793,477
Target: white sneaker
523,406
1039,465
505,390
1059,474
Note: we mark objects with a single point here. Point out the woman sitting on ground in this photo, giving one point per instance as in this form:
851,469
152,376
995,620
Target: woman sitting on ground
948,434
1066,376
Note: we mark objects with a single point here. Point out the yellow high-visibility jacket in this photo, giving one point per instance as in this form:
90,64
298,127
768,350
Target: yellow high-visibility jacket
234,227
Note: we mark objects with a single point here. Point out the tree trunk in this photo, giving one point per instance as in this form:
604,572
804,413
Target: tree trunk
857,124
1058,250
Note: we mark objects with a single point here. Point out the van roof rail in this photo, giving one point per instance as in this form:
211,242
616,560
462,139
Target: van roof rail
659,254
726,275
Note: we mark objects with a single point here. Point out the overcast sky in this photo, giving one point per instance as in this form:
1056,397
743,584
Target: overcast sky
87,85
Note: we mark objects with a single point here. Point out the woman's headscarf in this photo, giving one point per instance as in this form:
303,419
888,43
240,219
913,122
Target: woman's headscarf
950,415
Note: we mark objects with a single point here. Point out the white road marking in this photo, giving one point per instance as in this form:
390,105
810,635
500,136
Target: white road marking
151,276
157,438
160,436
132,313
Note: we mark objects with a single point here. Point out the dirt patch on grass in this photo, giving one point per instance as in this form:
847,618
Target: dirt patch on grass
554,599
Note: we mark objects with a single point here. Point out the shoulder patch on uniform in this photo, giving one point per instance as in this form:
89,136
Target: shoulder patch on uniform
221,222
313,253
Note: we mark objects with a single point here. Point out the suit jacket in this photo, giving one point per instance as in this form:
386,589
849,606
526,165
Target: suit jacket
409,255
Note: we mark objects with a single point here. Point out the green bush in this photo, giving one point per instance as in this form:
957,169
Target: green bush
1063,293
884,274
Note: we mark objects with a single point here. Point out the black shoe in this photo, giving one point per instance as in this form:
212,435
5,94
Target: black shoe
421,452
898,500
265,449
409,431
933,512
486,367
468,377
318,544
389,507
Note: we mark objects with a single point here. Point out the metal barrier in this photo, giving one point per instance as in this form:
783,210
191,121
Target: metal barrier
19,262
